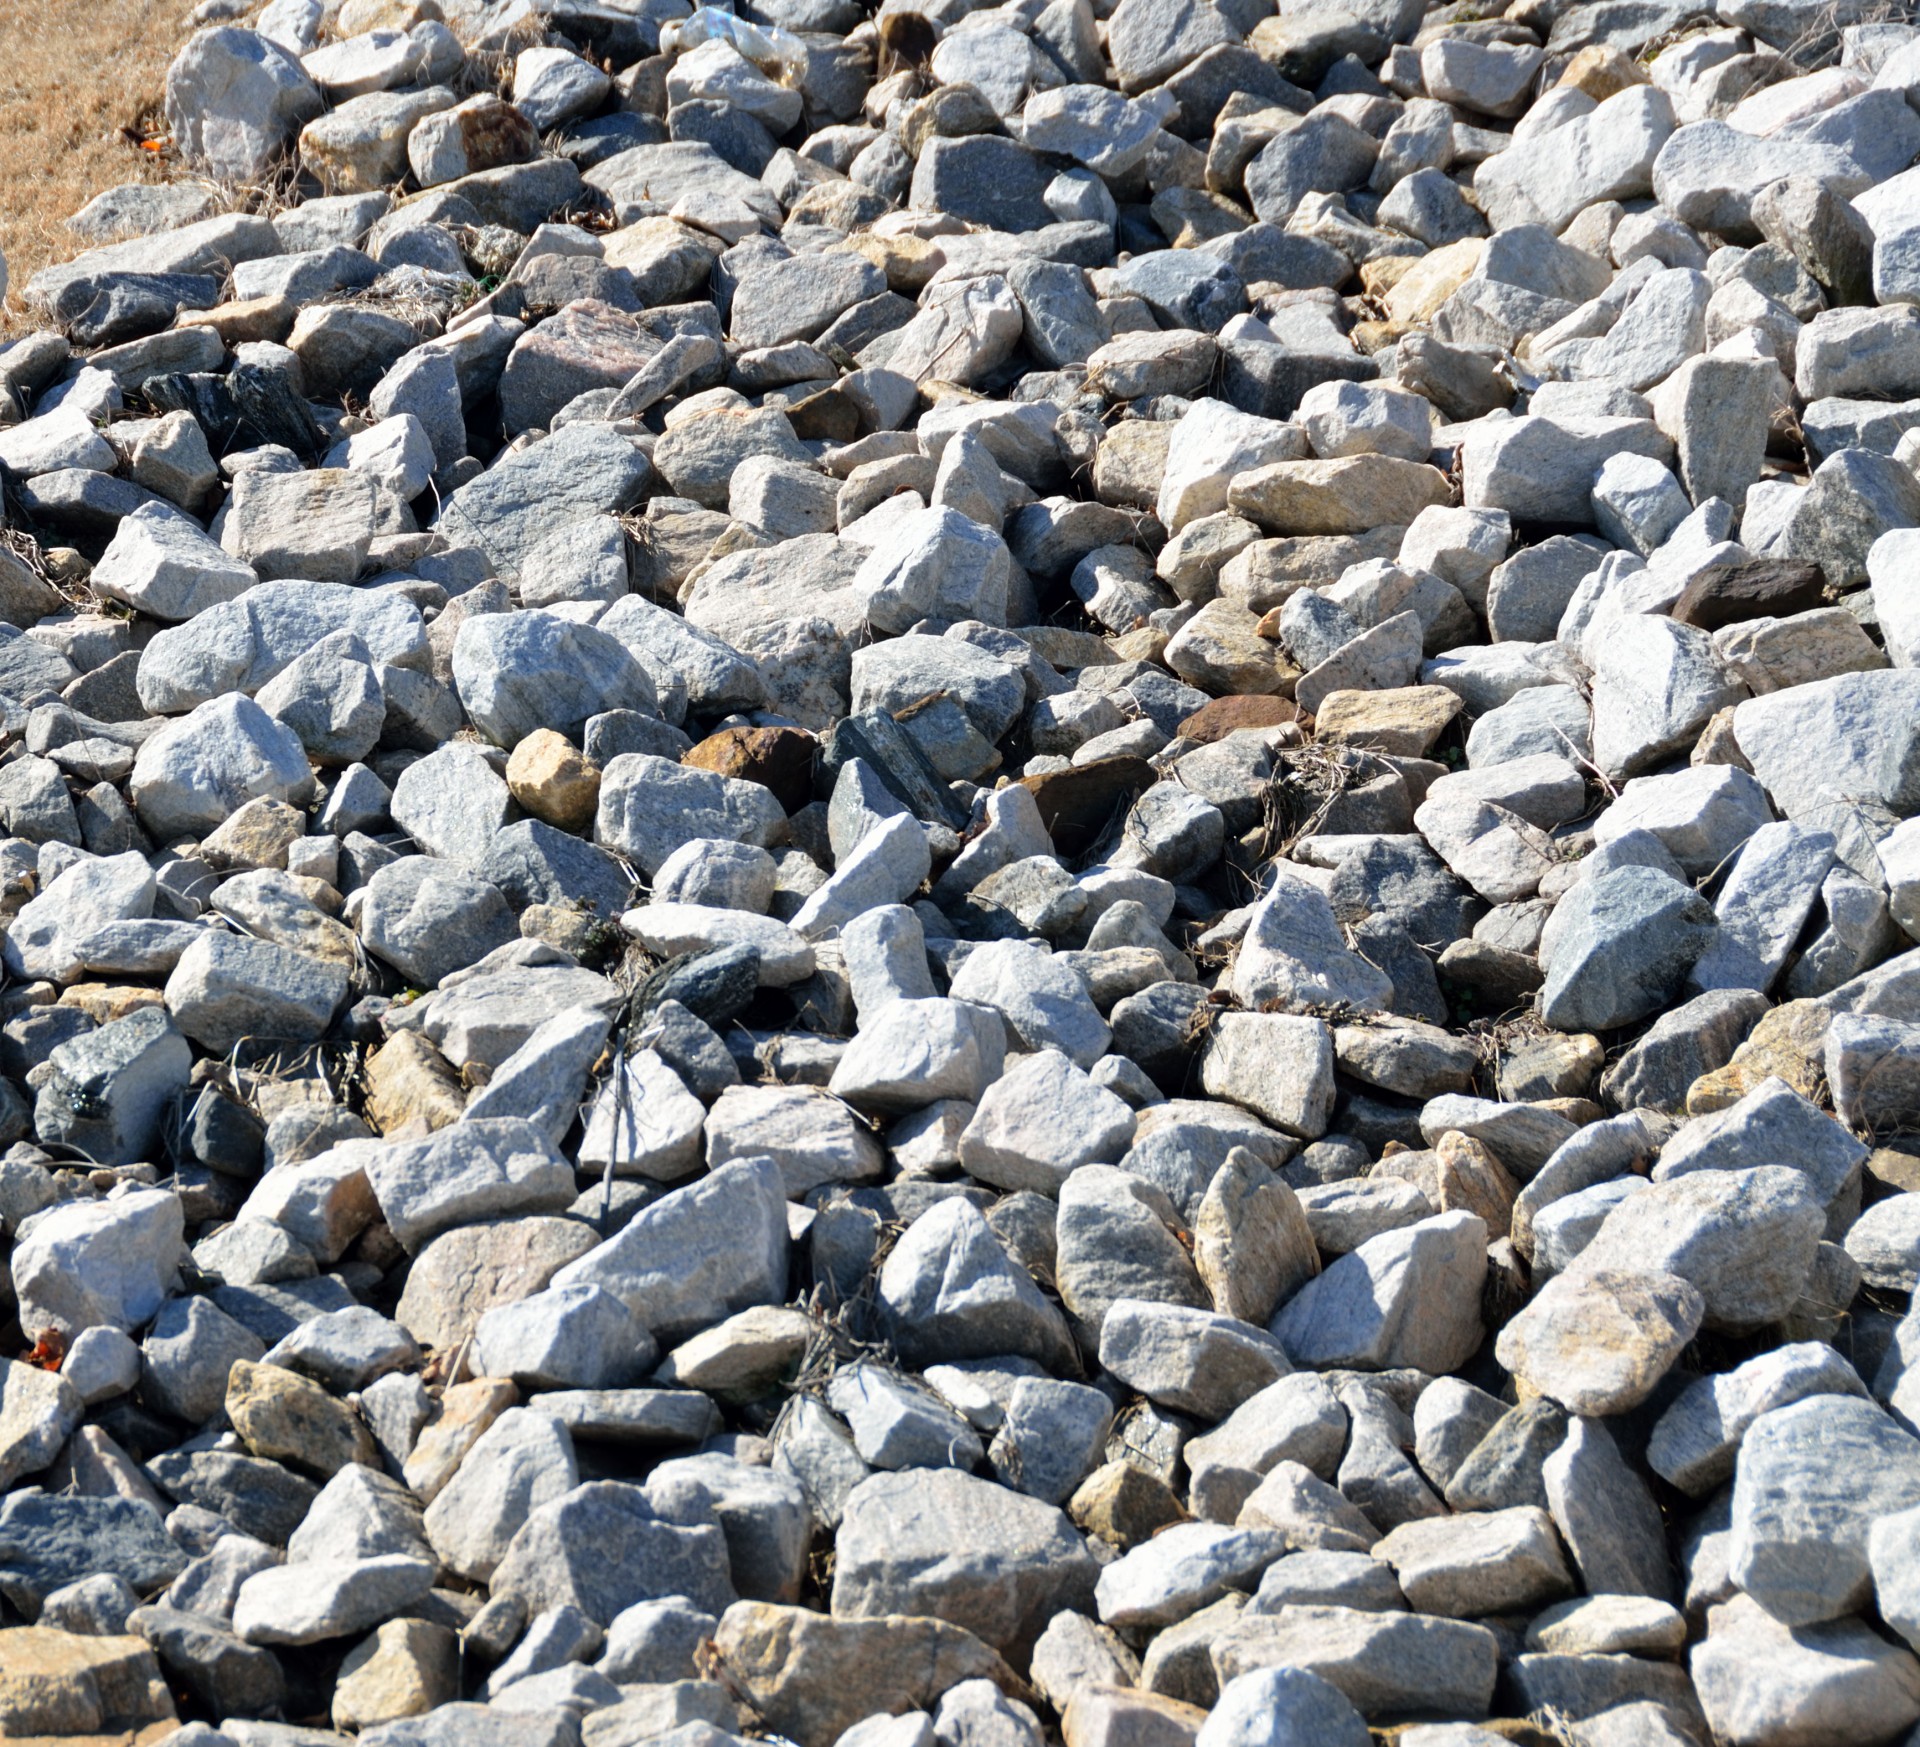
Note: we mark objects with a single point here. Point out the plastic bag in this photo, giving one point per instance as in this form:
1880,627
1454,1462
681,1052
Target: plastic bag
778,53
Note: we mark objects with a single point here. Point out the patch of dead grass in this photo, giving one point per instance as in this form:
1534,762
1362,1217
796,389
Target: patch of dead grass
73,74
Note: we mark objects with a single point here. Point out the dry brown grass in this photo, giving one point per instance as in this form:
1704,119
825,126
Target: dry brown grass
73,73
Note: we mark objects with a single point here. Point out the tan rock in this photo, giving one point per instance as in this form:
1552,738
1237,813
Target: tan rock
105,1002
1404,721
325,1202
1461,1175
1435,277
466,1410
1716,744
908,262
1382,274
258,835
1476,1563
361,147
551,778
465,1272
579,932
1220,650
1771,655
1369,337
357,16
746,1355
411,1087
1598,1340
1609,1625
1131,458
1555,1065
1124,1504
1124,1716
670,257
1789,1041
245,318
404,1669
62,1683
811,1677
289,1418
1602,71
1344,496
38,1409
1251,1242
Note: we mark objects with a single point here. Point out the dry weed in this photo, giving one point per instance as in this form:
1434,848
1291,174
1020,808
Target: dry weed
77,79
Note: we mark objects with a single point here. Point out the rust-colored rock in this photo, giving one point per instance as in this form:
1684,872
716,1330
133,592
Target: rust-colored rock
1078,805
1220,717
1757,588
780,759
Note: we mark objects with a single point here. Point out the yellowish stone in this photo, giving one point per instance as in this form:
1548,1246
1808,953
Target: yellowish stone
554,781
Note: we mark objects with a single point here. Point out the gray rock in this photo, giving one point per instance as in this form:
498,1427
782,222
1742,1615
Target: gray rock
518,1463
602,1549
1116,1241
650,807
1382,1662
428,919
1404,1298
1607,1515
472,1171
85,1263
1293,954
109,1089
950,1292
897,1422
234,99
1771,1123
1181,1570
516,672
192,774
50,1540
583,469
320,1599
697,1254
161,563
1759,1677
1192,1361
1801,1520
227,987
1627,942
1045,1004
1695,1442
1744,1239
965,1550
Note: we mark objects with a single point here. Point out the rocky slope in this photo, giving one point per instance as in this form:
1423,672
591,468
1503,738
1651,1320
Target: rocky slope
998,872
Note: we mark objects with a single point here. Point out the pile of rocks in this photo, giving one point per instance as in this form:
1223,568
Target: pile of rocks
906,879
